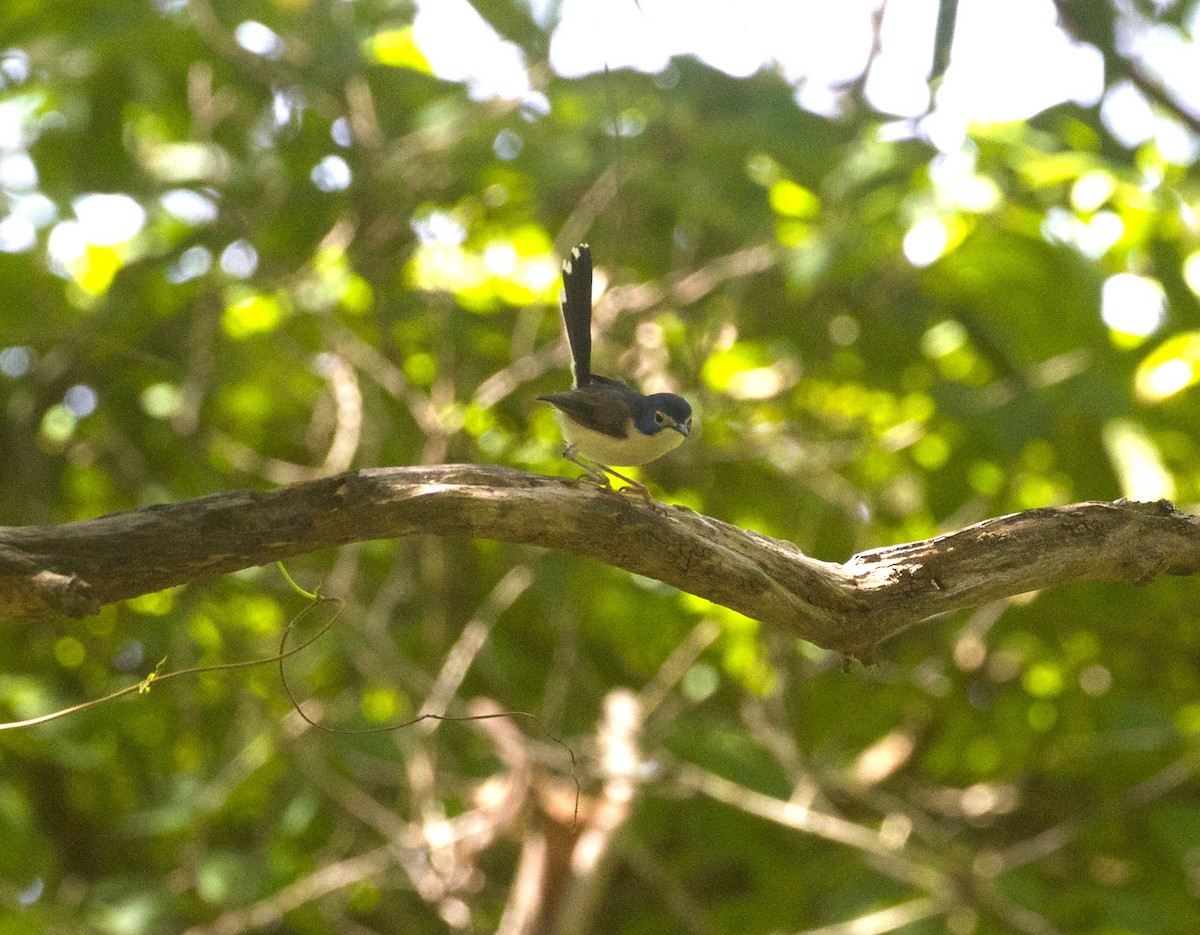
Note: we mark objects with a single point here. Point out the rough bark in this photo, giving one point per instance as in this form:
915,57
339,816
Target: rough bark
76,568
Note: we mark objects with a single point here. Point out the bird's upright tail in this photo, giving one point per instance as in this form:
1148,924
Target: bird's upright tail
577,311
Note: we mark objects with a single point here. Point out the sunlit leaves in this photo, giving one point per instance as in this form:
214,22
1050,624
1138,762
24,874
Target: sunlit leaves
381,704
948,345
1133,306
1171,367
511,268
69,652
251,313
923,337
58,423
161,400
332,282
154,604
396,48
749,371
788,198
1138,462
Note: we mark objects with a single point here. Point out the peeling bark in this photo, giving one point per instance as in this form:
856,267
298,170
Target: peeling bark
76,568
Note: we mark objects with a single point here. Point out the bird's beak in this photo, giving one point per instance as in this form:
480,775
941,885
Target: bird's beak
682,429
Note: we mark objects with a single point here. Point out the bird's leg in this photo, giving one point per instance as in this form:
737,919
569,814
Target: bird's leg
640,489
598,472
591,472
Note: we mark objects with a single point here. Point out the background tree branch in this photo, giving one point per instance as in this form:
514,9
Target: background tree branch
76,568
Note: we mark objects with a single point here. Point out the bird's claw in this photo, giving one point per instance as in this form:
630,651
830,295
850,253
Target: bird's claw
644,492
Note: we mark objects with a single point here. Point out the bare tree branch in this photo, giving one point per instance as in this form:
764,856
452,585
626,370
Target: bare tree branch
76,568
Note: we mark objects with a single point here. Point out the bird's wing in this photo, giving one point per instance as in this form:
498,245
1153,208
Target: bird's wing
605,405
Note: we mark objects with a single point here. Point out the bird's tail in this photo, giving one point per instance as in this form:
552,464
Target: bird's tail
577,311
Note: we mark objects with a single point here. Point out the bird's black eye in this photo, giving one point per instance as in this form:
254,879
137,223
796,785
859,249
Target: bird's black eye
660,418
688,423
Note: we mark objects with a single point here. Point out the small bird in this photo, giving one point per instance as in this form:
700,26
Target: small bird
604,420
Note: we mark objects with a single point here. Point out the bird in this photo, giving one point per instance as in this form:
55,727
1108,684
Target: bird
605,421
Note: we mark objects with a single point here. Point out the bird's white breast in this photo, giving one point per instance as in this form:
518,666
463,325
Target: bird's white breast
632,450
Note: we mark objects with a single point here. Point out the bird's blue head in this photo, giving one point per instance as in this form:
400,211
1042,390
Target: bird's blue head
661,411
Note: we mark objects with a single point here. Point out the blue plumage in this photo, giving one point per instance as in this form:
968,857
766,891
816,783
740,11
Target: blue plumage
604,420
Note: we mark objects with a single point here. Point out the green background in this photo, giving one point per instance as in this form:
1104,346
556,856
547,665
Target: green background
1026,767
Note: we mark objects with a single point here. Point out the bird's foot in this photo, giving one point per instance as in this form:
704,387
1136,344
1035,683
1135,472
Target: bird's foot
640,490
598,474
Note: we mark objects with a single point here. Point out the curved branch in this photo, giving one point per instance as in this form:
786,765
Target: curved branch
76,568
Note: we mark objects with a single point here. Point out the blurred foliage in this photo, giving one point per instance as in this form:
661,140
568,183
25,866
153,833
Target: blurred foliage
244,243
